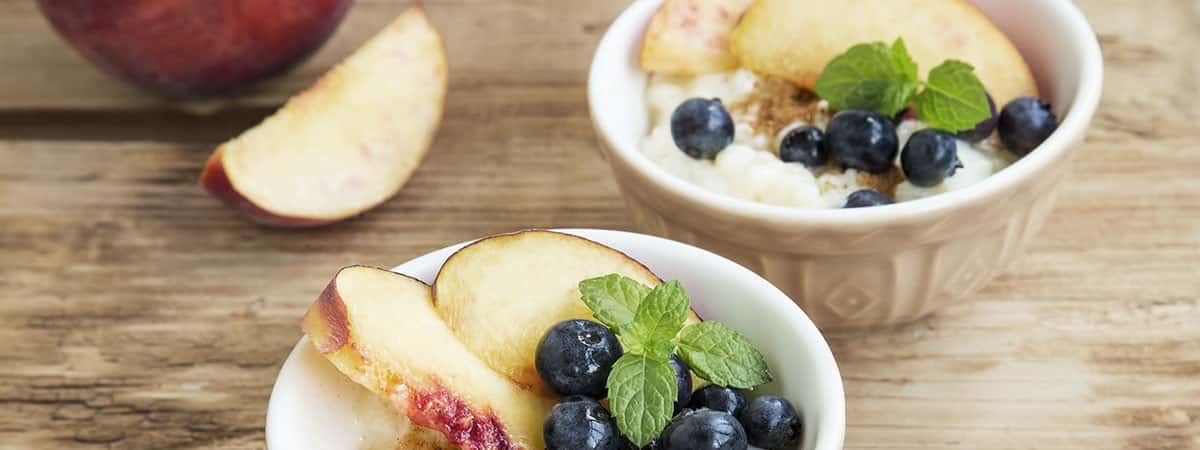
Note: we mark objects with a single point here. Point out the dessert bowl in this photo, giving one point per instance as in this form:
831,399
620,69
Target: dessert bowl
869,266
313,406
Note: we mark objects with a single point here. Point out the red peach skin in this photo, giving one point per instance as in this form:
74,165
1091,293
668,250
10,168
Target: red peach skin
380,329
195,47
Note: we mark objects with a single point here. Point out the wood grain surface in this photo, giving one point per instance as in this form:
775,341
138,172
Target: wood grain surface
138,313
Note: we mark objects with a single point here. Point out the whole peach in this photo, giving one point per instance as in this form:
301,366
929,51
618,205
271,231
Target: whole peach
195,47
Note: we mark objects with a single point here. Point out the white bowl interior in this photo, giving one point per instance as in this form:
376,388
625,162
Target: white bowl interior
1052,35
1038,29
313,406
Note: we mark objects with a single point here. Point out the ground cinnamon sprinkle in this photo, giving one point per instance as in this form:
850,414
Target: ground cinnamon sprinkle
777,103
883,182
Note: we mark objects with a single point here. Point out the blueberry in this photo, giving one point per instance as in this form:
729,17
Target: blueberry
718,398
867,198
804,144
984,128
705,429
771,423
576,398
929,157
576,356
702,128
1025,123
683,380
862,140
580,423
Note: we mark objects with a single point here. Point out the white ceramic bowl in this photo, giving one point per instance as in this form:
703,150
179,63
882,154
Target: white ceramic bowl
866,266
313,407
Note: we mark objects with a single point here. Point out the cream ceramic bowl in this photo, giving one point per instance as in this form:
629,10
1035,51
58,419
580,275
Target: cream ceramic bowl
870,266
313,407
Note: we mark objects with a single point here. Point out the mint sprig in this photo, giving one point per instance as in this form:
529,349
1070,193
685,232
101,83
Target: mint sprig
641,393
650,324
659,318
951,98
613,298
870,76
883,79
722,356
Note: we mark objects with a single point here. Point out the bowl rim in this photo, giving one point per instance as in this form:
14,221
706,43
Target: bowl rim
832,421
631,23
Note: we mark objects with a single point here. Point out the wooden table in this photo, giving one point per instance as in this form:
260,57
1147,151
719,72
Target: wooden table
139,313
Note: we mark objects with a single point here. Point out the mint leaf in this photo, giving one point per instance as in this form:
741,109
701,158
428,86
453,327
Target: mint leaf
659,318
641,394
613,298
870,76
953,99
904,65
722,356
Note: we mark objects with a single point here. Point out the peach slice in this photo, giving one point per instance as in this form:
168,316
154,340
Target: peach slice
345,144
795,39
380,329
689,37
499,295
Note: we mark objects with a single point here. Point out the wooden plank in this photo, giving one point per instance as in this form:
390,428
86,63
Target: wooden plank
134,299
142,314
535,42
138,313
